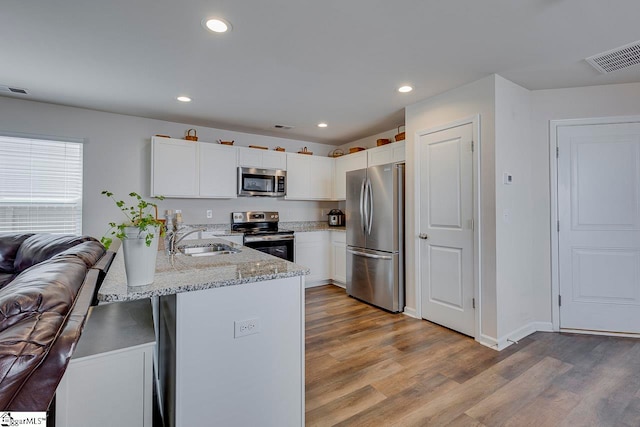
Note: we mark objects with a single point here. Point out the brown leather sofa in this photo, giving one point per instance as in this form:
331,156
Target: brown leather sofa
47,285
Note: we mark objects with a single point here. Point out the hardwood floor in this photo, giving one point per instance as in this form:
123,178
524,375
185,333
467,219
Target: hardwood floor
367,367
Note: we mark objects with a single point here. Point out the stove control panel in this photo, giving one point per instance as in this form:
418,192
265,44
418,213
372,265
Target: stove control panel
254,216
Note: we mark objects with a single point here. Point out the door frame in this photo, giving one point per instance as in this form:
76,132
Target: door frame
474,120
554,126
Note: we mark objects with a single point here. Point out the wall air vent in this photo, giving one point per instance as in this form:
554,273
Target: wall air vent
5,88
616,59
285,127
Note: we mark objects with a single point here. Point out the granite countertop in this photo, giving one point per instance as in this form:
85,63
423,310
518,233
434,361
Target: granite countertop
303,226
297,226
181,273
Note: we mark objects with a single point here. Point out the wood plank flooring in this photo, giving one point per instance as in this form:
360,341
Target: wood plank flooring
367,367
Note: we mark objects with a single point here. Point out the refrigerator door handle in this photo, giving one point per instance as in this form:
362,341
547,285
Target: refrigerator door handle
362,215
370,208
367,255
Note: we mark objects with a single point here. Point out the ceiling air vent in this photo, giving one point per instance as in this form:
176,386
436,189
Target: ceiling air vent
616,59
285,127
4,88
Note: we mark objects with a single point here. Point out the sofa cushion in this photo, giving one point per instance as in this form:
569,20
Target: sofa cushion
9,245
40,247
49,286
6,278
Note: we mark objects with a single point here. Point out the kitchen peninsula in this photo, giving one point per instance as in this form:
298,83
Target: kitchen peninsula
230,334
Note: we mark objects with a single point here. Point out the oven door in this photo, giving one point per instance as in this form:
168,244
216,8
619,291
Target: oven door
280,246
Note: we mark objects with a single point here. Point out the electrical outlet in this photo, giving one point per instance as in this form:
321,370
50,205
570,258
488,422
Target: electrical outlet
242,328
209,213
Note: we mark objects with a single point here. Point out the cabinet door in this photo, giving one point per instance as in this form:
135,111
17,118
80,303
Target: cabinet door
298,169
249,157
274,160
312,251
321,178
309,177
174,168
102,389
217,171
343,165
338,257
255,158
398,151
389,153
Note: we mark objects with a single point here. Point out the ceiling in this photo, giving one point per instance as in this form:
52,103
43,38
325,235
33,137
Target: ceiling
298,62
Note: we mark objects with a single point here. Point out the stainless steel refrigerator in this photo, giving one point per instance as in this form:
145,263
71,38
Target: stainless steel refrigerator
375,235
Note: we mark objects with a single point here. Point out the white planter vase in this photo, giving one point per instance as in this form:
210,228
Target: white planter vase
139,259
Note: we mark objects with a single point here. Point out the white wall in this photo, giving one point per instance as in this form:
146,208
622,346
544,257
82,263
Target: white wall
117,158
514,234
557,104
471,99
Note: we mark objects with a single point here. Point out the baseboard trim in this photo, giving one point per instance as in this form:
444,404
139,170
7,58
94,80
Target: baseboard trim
488,341
543,326
317,283
603,333
411,312
514,336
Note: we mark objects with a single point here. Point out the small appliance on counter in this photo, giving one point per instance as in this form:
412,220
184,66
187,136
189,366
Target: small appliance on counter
336,218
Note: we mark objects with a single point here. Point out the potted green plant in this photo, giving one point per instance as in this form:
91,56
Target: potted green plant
139,234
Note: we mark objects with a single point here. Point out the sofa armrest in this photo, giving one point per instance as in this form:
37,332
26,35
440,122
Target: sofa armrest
102,267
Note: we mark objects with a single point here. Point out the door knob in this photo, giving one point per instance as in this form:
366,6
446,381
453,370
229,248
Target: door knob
423,236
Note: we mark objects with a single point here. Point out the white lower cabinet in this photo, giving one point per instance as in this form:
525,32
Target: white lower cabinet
339,257
109,378
312,249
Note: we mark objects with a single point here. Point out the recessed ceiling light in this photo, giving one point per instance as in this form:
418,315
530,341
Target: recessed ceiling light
217,25
405,89
183,99
322,125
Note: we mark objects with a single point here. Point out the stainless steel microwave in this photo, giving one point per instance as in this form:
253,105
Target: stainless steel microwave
262,182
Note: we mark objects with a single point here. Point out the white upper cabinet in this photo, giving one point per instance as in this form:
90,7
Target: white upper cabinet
256,158
389,153
309,177
192,169
345,164
174,168
217,171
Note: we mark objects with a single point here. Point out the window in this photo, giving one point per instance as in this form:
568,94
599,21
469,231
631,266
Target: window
40,186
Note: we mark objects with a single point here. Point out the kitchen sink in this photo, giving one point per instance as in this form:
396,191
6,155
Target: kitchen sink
217,249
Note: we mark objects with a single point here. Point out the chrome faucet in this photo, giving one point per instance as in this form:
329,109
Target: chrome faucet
174,238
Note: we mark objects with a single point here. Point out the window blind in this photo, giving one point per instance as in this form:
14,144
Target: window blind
40,186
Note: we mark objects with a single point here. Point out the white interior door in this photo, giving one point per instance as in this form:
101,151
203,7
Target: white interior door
599,223
445,228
